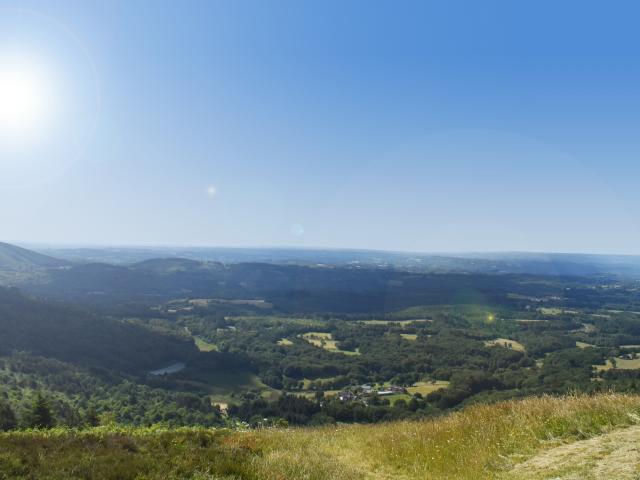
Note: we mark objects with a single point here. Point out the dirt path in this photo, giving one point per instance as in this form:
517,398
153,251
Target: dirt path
612,456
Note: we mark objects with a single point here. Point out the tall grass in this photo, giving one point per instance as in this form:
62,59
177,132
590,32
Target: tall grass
482,441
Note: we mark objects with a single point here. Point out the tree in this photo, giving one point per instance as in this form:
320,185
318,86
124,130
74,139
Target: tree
91,417
8,419
40,415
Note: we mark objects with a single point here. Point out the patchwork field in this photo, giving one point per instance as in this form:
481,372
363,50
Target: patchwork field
326,341
620,363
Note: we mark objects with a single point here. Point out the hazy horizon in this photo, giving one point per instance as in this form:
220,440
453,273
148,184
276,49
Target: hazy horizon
98,246
431,127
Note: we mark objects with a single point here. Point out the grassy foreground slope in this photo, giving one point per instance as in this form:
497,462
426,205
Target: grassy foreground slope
484,441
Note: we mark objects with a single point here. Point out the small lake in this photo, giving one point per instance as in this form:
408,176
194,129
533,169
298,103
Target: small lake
176,367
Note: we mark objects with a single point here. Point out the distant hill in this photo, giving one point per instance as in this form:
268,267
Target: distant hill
18,259
303,289
559,264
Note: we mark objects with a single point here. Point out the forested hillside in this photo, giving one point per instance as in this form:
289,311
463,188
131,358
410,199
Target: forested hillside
74,334
13,257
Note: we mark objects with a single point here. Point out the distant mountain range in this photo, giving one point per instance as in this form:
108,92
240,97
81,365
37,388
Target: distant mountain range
490,263
310,280
113,275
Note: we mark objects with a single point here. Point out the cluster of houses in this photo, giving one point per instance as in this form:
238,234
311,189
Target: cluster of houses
361,392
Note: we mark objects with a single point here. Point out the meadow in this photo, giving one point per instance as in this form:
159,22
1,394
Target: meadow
482,441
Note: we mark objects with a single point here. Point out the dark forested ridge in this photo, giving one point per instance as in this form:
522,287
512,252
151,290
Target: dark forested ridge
56,330
298,288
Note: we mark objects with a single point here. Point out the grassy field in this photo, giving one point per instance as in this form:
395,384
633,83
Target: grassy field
506,343
510,440
275,320
409,336
621,363
228,386
584,345
203,345
424,388
555,311
285,342
394,322
475,312
326,341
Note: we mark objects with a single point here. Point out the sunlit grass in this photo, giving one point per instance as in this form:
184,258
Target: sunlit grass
203,345
483,441
326,341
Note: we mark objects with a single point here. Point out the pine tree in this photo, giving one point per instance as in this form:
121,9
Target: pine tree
91,417
40,415
8,419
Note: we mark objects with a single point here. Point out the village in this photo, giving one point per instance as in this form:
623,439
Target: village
365,392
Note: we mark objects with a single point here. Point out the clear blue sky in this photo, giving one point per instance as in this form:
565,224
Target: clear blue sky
424,126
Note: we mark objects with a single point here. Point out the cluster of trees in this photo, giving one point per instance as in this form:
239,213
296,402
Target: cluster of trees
297,410
75,394
39,415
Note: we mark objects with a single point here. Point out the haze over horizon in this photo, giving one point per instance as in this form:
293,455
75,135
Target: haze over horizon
151,247
430,128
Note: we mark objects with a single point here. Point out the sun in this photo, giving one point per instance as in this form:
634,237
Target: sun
23,98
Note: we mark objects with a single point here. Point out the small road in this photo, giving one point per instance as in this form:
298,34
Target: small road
611,456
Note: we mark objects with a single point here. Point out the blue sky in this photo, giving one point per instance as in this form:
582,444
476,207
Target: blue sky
423,126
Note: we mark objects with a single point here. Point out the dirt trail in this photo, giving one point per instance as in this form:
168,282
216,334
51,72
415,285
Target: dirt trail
612,456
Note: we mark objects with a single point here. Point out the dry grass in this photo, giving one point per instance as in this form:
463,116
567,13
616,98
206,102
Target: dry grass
285,342
326,341
480,442
610,456
584,345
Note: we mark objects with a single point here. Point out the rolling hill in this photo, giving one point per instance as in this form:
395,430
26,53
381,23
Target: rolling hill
559,264
17,258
